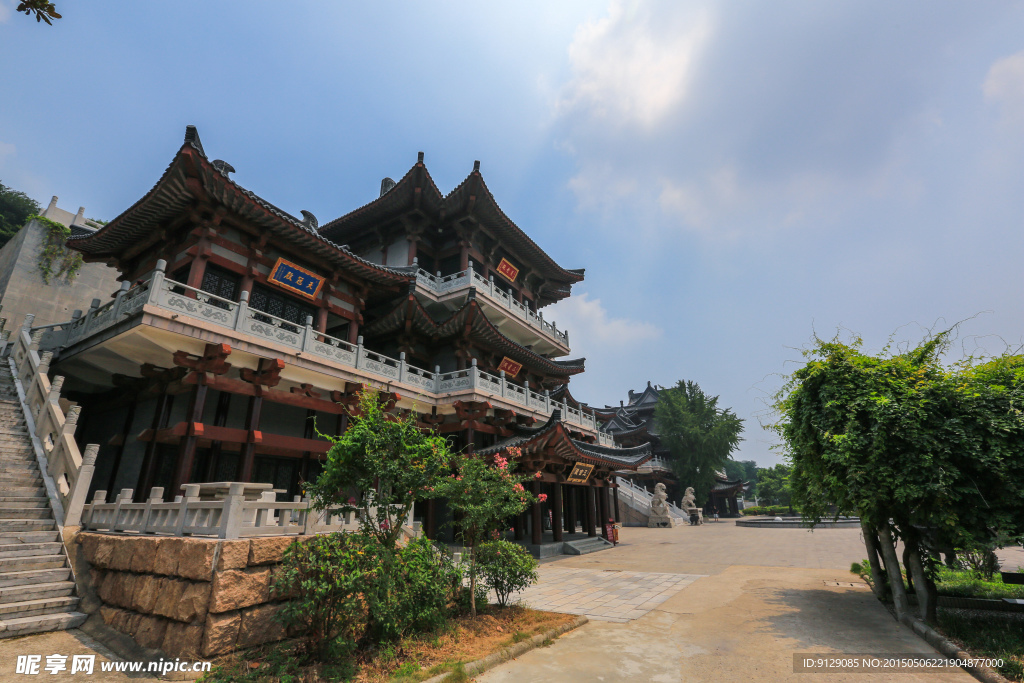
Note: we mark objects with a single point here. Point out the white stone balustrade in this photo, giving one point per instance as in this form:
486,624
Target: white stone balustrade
168,295
231,516
67,473
445,284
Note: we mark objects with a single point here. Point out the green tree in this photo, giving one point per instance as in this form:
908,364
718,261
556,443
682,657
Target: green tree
484,495
928,455
773,485
378,468
15,209
699,434
744,470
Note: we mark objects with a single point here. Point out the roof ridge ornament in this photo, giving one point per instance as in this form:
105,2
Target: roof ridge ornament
224,167
476,166
386,186
192,138
419,157
309,220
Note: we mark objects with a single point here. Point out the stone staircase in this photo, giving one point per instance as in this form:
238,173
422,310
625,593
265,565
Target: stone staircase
36,588
587,545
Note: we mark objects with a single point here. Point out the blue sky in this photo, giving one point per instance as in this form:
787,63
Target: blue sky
733,176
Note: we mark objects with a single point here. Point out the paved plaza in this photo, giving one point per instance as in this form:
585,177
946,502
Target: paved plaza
744,602
602,594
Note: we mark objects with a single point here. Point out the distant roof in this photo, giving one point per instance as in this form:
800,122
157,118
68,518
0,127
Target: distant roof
572,449
417,190
191,176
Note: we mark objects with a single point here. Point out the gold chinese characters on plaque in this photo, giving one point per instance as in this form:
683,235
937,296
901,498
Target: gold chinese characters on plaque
580,473
510,367
507,270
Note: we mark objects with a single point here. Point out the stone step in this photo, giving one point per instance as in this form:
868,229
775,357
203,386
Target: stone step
11,537
585,546
57,589
27,524
29,608
14,468
24,501
30,549
29,562
35,576
40,624
17,480
23,491
13,512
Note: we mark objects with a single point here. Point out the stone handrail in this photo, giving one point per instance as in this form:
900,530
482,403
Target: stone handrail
231,517
443,284
639,498
179,298
68,472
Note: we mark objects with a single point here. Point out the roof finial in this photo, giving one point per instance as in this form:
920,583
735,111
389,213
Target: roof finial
419,158
223,166
192,136
476,166
386,185
309,220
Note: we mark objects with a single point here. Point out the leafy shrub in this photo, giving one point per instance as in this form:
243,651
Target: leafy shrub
506,567
326,574
411,590
968,584
772,510
979,560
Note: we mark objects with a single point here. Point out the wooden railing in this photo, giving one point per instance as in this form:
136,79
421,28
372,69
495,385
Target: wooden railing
231,517
52,432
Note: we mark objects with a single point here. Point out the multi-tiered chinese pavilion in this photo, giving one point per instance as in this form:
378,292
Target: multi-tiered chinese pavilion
237,324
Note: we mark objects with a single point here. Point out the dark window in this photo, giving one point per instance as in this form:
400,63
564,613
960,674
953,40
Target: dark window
450,264
222,283
279,305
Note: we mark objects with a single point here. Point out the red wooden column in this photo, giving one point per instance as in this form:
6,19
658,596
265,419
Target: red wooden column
591,526
148,470
602,506
615,498
212,361
538,528
570,508
267,375
556,512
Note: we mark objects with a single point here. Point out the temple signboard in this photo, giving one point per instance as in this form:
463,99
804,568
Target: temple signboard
510,367
507,270
295,279
580,473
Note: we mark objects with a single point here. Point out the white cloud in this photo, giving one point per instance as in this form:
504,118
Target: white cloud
6,149
629,69
592,329
1005,84
5,11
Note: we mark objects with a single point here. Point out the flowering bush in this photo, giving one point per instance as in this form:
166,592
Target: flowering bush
506,568
485,495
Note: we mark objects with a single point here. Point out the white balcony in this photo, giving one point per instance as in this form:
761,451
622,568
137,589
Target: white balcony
543,335
177,299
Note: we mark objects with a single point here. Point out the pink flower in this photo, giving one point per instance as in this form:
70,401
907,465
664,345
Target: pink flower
517,487
537,475
542,497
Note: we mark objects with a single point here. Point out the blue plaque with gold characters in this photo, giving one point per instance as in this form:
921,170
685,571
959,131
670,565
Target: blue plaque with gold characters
295,279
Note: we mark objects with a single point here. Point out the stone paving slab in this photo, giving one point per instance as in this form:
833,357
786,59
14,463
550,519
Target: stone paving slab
604,595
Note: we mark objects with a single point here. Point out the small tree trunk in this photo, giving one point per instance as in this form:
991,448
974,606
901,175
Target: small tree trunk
892,568
472,581
911,579
925,598
878,584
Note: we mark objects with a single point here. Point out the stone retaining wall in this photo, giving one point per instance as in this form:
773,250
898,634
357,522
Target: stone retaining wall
192,598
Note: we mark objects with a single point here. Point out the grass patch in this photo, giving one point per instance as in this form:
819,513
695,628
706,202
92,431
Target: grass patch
996,635
965,584
412,660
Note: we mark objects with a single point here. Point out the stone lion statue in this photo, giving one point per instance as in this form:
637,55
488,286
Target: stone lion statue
689,499
658,505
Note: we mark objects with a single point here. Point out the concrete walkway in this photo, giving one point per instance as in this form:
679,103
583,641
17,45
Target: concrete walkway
766,595
67,643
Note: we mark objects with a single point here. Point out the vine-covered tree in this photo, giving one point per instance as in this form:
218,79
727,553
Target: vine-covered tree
928,455
699,434
15,209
